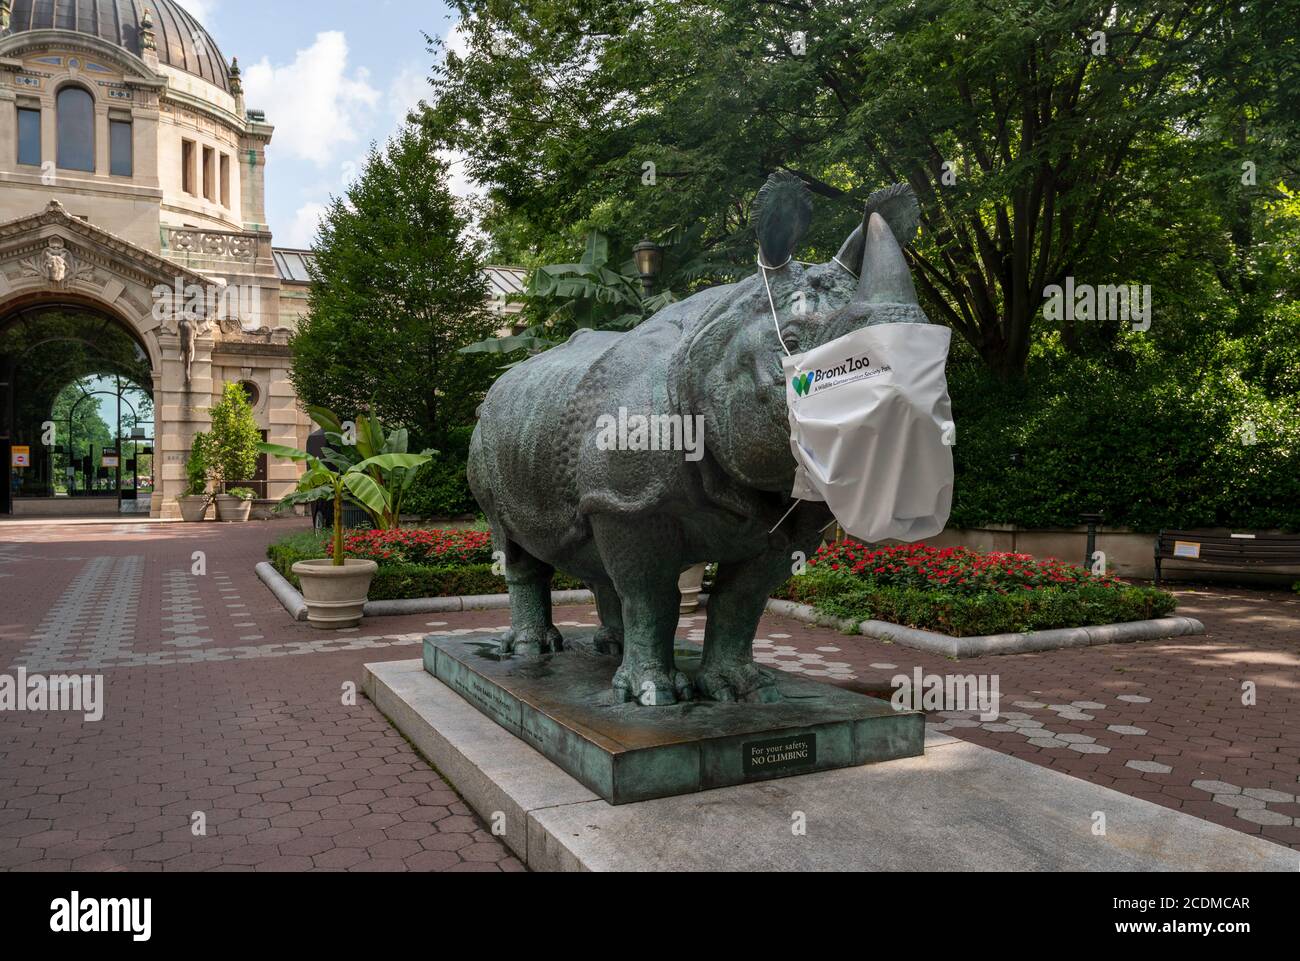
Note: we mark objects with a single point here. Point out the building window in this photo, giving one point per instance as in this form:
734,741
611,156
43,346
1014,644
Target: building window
225,180
120,148
29,137
76,129
187,166
209,174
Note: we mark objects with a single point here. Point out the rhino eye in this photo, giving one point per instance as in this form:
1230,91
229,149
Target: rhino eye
792,343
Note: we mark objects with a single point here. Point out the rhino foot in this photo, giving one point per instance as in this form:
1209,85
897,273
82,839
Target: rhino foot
741,682
531,642
608,640
651,685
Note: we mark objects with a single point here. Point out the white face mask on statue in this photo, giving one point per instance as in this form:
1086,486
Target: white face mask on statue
871,429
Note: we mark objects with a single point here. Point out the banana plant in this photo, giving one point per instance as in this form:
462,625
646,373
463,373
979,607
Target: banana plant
363,441
354,481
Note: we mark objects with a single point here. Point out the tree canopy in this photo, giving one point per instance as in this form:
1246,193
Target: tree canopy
1139,142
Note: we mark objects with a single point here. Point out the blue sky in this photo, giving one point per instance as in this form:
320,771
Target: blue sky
332,76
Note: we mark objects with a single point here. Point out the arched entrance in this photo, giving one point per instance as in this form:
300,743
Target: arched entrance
76,388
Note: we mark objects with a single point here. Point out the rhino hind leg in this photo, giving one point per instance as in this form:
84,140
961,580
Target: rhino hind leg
609,636
642,557
528,580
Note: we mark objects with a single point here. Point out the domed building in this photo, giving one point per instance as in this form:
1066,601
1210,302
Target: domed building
134,246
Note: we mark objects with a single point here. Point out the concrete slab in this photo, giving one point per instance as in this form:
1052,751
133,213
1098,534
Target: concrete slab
959,808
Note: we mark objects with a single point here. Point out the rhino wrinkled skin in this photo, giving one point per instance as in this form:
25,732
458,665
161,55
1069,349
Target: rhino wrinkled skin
628,522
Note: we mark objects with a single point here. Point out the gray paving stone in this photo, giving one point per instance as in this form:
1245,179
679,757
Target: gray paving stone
1149,767
1127,729
1216,787
1269,795
1238,801
1272,818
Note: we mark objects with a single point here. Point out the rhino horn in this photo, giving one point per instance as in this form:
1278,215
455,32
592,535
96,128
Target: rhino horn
885,277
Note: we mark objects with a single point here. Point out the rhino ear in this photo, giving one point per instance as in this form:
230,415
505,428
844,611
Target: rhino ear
898,206
782,213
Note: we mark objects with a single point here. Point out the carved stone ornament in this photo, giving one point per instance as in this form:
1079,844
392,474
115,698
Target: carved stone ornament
57,266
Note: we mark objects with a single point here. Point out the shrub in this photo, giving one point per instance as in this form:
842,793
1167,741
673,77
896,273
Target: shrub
231,447
441,489
964,593
412,563
196,467
429,547
1149,441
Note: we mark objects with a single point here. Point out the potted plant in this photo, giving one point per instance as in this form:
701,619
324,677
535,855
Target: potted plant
235,505
335,588
690,585
194,502
232,453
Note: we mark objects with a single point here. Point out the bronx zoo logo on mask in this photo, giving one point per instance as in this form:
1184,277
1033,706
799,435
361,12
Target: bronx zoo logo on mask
851,371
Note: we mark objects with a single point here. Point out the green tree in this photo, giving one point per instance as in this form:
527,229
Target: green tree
232,443
1034,134
88,428
397,289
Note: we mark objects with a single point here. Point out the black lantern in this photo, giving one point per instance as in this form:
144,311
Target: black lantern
649,258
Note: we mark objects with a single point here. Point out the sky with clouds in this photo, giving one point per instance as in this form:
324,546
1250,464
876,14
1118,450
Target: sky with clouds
333,76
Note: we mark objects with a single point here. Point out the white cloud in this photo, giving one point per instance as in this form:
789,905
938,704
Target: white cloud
302,232
409,87
200,10
315,105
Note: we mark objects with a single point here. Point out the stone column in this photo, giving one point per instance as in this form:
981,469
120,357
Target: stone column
181,412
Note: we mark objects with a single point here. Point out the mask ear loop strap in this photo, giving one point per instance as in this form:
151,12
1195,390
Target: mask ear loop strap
780,340
772,303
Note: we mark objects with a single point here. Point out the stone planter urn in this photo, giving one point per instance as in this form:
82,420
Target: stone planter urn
232,510
690,584
194,507
335,596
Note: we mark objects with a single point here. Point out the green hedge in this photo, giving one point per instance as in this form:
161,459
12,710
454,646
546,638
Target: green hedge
1038,610
441,488
1148,441
394,582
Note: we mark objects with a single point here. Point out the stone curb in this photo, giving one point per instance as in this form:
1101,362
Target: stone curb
993,644
292,600
284,591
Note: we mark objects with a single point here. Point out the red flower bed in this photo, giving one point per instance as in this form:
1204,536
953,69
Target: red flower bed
956,570
430,547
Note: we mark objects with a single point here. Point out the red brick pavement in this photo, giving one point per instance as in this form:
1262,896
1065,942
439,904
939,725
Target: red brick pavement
289,777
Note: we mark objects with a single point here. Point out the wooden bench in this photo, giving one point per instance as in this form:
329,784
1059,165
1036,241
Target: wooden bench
1228,550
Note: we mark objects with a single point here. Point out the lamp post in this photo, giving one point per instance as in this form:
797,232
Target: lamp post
649,258
1092,520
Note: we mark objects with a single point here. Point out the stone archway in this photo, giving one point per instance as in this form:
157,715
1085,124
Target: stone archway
53,257
48,351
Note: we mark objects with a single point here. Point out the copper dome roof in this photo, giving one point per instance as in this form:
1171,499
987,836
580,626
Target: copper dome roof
180,39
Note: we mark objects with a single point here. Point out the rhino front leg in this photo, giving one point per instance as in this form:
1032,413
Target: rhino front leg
736,603
642,557
529,582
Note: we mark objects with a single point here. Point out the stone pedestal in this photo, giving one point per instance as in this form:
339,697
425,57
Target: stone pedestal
562,705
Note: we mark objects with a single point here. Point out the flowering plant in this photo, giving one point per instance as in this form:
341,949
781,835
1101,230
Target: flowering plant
426,546
954,570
